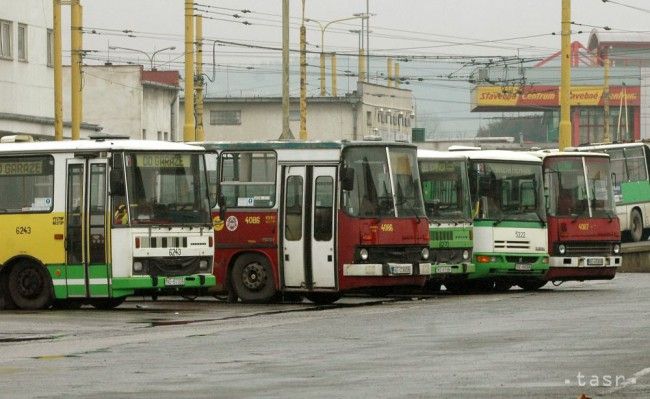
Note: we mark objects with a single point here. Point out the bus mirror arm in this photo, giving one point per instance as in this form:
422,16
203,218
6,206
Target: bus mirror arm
347,179
116,182
614,179
221,201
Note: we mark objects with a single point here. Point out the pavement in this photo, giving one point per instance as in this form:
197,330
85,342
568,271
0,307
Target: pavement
559,342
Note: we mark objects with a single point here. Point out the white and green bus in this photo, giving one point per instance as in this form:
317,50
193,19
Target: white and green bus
445,188
510,235
630,166
94,221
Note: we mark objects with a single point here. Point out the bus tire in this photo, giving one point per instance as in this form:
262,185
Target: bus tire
502,286
323,298
30,286
6,303
252,279
107,303
456,287
636,225
531,285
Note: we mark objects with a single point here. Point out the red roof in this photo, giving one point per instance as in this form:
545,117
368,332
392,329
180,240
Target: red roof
170,78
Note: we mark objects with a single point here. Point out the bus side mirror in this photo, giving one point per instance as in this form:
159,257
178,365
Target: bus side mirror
117,182
614,183
347,179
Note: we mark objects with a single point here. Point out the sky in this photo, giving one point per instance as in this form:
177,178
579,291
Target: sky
443,41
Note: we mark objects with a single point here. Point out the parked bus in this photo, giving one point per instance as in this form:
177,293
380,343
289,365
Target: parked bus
445,188
583,229
510,237
316,219
631,186
94,221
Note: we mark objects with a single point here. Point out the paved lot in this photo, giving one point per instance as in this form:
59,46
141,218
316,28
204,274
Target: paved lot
514,345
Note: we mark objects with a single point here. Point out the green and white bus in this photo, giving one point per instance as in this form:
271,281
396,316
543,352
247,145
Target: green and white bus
510,235
630,165
94,221
445,188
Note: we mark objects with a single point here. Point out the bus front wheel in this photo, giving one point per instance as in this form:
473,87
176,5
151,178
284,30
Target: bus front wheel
30,286
636,226
252,279
531,285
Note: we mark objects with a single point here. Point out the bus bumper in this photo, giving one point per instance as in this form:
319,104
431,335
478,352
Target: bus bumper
583,268
386,269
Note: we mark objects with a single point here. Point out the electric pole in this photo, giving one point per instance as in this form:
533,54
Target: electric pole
565,85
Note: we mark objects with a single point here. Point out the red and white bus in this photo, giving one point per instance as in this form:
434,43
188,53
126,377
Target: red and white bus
316,218
583,230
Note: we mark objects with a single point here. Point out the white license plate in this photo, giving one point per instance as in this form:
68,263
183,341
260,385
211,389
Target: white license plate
595,261
400,269
174,281
444,269
523,267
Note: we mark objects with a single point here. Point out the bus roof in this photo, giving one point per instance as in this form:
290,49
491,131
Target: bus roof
292,144
433,154
501,155
543,154
94,145
607,146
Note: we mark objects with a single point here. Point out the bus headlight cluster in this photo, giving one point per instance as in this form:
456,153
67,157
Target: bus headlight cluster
465,254
425,253
363,253
617,249
562,249
203,264
137,266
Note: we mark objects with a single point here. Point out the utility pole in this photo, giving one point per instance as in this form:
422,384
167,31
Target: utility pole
303,76
368,39
334,91
58,72
565,85
200,133
607,138
75,68
286,131
389,67
397,75
188,127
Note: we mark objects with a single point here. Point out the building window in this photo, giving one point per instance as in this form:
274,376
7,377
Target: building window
5,39
294,115
22,42
369,118
160,136
225,117
166,136
50,47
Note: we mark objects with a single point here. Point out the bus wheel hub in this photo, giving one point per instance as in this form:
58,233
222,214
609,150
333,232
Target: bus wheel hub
254,276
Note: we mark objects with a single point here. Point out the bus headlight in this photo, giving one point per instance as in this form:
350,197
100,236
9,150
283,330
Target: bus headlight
617,249
203,264
137,266
562,249
425,253
465,254
363,253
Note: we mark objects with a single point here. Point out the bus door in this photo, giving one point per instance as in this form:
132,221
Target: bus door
308,259
86,267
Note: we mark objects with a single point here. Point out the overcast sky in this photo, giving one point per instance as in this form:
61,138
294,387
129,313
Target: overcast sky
400,28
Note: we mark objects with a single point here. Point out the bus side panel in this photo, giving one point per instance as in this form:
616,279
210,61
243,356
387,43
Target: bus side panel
244,231
39,236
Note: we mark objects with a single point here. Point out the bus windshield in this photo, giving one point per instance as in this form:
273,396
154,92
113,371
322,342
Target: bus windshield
506,191
386,182
166,188
572,192
445,189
